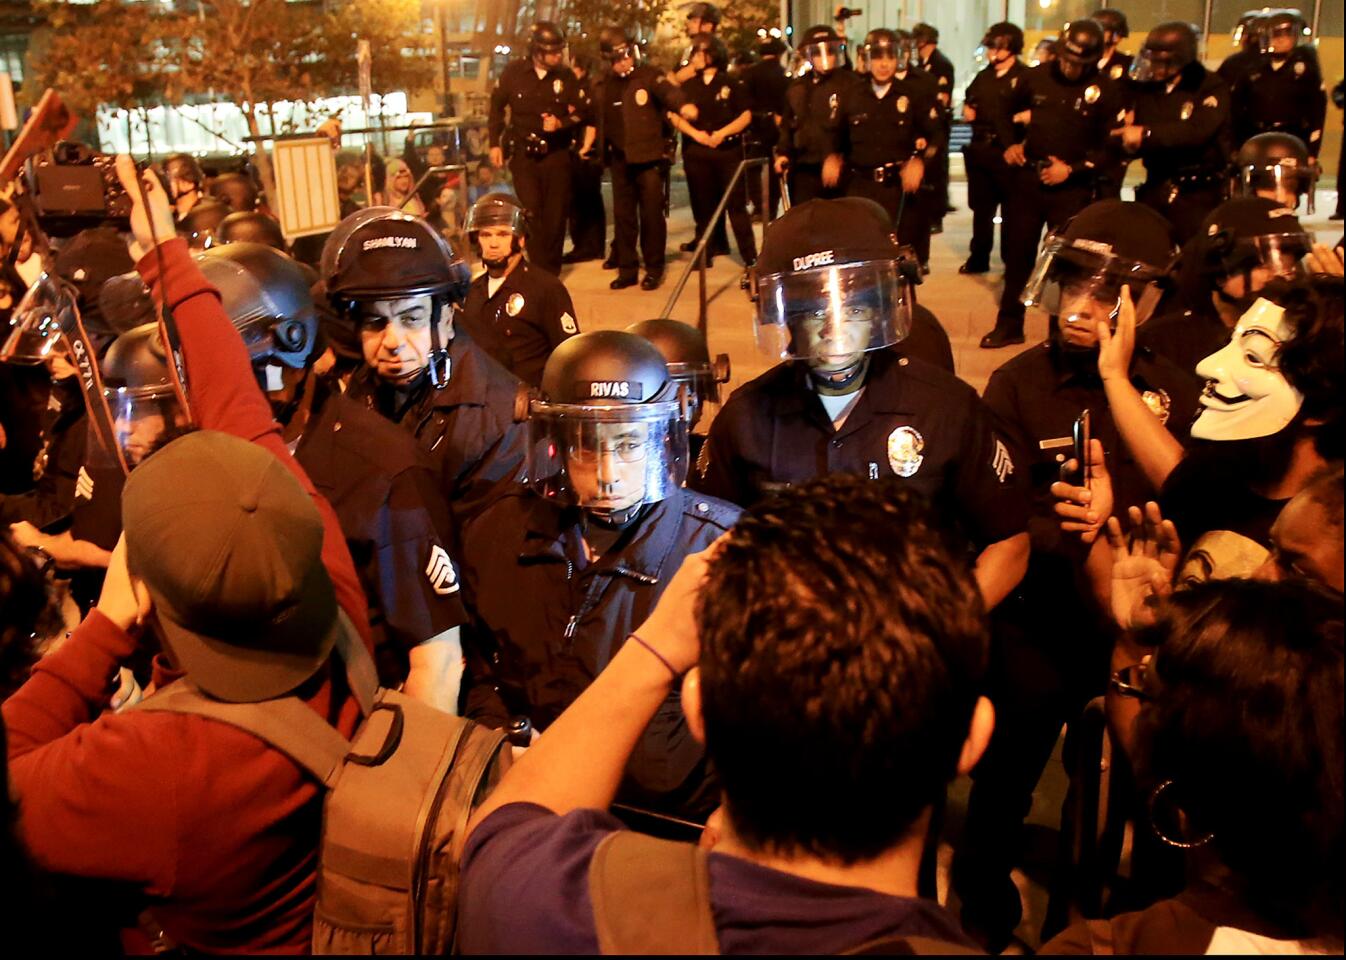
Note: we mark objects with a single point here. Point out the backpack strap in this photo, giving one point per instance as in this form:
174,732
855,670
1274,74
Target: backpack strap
361,674
288,724
651,897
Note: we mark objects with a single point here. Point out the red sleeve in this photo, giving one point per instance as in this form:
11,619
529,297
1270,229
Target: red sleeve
225,396
92,801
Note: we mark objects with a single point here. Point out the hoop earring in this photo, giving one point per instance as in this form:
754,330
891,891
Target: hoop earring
1159,832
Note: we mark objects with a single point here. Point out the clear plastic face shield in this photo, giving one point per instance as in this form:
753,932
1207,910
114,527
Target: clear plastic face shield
41,326
1284,181
1154,65
823,56
898,56
144,419
701,382
1279,37
1268,257
607,458
830,315
1082,287
1247,395
624,58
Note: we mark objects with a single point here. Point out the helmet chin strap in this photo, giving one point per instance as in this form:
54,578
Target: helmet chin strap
438,361
840,382
615,521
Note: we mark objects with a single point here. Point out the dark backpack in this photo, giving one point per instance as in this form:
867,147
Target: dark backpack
398,801
652,897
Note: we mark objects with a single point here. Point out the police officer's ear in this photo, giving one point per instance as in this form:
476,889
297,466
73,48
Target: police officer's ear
447,316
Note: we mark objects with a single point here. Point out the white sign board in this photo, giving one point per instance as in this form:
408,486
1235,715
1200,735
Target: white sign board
306,187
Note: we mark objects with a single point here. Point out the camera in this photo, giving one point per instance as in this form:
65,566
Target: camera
75,188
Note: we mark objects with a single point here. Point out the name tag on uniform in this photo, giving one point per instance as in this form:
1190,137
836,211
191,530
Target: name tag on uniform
1055,443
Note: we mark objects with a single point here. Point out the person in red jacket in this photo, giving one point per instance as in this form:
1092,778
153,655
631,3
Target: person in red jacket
208,833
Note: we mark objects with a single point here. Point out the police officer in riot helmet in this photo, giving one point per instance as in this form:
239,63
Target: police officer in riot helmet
1243,245
935,196
1114,63
833,306
1276,166
684,349
395,280
1056,167
591,542
1247,39
886,131
545,110
765,83
1053,636
712,146
386,495
986,105
516,313
631,107
812,107
1179,128
703,19
1284,91
145,405
237,190
185,181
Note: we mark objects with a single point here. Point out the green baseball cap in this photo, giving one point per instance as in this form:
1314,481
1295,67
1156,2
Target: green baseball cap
229,545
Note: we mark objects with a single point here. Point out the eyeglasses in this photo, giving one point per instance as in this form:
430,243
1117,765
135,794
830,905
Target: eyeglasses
1130,681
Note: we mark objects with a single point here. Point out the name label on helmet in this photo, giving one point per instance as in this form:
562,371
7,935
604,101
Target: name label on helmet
815,260
615,390
375,243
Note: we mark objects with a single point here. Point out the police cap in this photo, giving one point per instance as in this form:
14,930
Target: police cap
381,253
1005,35
251,226
1113,21
606,366
1081,42
615,43
266,295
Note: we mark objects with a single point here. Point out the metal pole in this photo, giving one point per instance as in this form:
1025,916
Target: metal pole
701,319
1317,16
1205,29
444,56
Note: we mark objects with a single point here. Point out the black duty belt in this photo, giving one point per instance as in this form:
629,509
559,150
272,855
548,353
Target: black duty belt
984,136
883,173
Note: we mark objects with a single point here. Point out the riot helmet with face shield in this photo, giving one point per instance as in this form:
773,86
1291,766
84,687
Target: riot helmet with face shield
494,210
42,327
684,350
609,432
829,286
712,49
1081,271
1169,49
882,43
1275,165
266,295
381,256
616,45
1247,242
1281,31
1246,35
200,225
545,39
1113,22
823,49
251,226
1079,48
145,405
1000,37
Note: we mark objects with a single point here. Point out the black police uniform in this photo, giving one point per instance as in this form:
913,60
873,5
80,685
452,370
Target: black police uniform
877,135
764,84
1288,98
936,186
1116,69
1238,65
808,131
927,340
540,161
44,488
534,658
719,101
1052,642
523,322
913,420
388,501
467,428
988,175
588,220
1071,120
1186,146
634,136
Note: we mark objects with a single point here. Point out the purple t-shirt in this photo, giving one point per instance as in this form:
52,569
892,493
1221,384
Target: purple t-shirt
525,889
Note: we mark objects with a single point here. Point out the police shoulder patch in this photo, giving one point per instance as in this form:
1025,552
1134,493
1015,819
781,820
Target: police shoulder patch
1002,464
440,572
1212,101
1116,71
568,324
